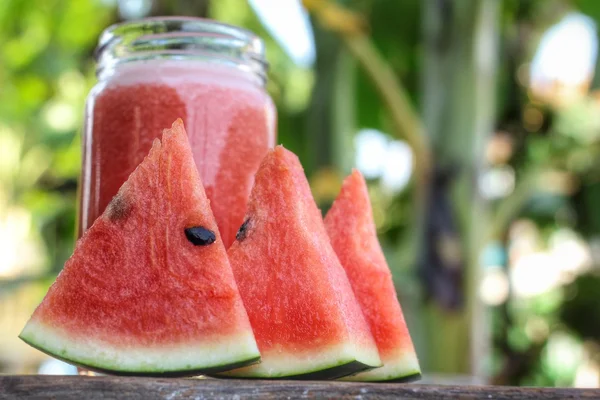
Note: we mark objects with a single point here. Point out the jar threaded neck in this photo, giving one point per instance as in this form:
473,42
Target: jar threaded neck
181,38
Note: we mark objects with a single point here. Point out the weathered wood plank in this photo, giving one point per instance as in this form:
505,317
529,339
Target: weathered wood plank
128,388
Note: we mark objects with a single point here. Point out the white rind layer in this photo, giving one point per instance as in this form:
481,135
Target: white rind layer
278,364
400,366
162,359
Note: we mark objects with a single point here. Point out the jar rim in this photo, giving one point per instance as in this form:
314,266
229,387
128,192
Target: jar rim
188,38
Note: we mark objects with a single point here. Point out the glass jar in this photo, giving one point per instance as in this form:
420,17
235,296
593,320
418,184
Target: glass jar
153,71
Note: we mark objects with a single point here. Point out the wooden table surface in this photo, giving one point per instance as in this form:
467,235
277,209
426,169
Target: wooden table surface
79,387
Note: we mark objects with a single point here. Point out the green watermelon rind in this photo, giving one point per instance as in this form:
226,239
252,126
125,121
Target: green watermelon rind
60,347
405,379
327,373
401,368
409,377
333,362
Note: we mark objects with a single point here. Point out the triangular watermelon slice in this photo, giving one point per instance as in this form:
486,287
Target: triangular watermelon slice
305,317
149,289
351,229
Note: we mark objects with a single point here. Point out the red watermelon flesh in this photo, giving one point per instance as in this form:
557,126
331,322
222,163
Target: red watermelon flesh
137,296
351,229
305,317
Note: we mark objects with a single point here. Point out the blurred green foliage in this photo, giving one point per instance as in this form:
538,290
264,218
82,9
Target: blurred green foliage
46,70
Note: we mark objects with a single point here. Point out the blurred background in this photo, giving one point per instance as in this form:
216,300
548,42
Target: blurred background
476,122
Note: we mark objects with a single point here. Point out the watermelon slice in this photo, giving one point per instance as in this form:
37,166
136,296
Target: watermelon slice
305,317
351,229
149,289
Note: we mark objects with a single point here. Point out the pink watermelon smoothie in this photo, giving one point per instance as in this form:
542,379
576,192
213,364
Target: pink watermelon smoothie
229,118
138,296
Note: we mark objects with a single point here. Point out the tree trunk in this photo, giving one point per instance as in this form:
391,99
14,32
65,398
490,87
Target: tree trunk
324,124
458,110
191,8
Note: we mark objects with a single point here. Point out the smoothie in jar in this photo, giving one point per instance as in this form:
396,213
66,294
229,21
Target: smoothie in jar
219,94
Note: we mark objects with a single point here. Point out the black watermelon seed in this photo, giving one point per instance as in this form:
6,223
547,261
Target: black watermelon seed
200,236
118,208
243,231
